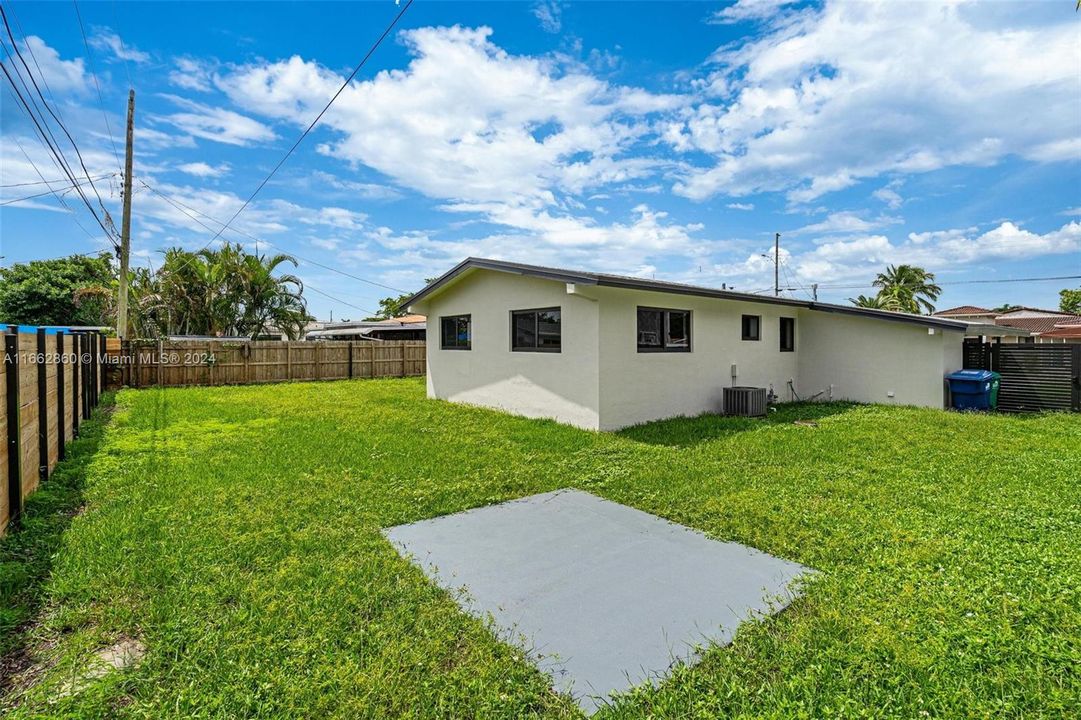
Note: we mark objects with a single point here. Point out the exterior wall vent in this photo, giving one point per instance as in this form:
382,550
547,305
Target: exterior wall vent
744,401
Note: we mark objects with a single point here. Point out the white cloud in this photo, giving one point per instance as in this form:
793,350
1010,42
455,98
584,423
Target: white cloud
550,15
1071,212
60,75
322,181
828,98
861,256
217,124
192,74
202,169
844,221
740,206
466,120
889,194
106,39
749,10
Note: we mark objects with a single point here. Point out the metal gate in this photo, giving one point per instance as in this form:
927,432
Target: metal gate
1034,377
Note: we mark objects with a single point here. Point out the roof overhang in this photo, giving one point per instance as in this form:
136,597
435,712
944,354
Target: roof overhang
618,281
992,330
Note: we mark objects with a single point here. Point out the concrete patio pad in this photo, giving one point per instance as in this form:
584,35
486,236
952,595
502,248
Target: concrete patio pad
600,595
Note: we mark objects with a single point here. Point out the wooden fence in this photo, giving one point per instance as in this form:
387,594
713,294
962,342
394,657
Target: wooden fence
202,362
51,380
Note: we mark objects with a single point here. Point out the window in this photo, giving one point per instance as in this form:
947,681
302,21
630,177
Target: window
455,332
535,330
752,326
788,334
664,330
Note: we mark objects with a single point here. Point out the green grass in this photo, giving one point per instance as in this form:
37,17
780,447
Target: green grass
236,532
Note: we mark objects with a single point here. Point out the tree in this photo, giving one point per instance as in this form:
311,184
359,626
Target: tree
1070,301
45,292
391,307
874,302
1004,308
908,288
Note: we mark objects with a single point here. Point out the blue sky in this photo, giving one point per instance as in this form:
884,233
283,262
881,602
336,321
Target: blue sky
655,139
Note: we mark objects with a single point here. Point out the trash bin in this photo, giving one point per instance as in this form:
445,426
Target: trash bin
996,380
973,389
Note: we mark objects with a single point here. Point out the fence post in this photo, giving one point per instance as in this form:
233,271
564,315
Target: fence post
43,408
316,356
288,360
76,383
158,360
15,473
60,409
246,349
350,373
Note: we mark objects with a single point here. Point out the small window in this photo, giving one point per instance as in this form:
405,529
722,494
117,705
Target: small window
455,332
536,330
664,330
752,327
788,334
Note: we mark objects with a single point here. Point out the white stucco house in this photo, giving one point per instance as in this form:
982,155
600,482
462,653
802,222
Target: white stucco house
605,351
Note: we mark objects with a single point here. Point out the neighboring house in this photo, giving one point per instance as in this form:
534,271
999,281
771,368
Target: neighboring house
407,327
1019,325
968,313
605,351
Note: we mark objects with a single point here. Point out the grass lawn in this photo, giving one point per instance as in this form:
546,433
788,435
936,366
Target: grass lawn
235,532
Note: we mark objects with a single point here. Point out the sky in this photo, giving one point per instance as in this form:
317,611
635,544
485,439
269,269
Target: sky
667,140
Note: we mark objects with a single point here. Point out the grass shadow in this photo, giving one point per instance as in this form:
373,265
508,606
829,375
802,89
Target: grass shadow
691,431
27,552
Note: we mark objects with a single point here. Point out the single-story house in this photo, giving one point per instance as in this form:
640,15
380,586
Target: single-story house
605,351
1026,325
406,327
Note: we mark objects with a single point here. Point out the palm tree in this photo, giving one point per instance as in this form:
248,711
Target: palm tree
908,289
874,302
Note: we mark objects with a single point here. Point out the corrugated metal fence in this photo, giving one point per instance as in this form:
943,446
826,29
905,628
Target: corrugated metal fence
213,362
51,380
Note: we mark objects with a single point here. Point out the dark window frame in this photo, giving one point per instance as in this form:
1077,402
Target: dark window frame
443,335
790,335
744,335
535,312
664,347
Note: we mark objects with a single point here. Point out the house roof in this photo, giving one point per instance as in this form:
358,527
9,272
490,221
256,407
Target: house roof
990,329
963,310
634,283
1022,308
1064,331
1039,324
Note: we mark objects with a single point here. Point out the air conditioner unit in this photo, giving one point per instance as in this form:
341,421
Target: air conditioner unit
744,401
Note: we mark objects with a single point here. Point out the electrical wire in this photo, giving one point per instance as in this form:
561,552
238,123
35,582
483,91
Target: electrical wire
97,85
182,207
55,150
318,117
307,286
50,191
43,181
58,197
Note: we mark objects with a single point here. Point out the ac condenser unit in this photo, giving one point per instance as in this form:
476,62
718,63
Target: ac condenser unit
744,401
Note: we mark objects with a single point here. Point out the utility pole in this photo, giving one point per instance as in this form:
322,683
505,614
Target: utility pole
814,291
777,265
125,227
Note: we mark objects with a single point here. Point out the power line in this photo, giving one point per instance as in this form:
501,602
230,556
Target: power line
961,282
58,156
59,199
97,85
181,206
55,150
55,117
120,39
318,117
50,191
43,181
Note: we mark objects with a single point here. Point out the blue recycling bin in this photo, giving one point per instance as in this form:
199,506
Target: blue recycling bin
973,389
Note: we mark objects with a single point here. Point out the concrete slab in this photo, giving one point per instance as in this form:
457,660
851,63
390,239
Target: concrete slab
600,595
